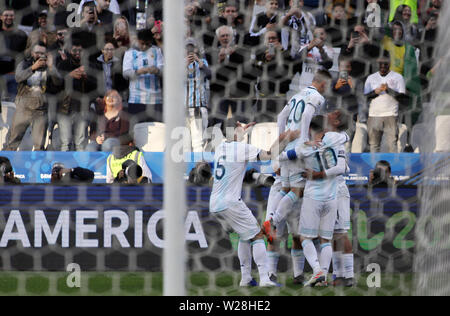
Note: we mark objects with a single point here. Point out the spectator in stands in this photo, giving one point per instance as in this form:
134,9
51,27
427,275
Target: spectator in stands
157,31
59,46
394,4
227,46
381,89
197,98
362,50
317,55
34,75
348,90
41,34
77,175
229,16
90,26
12,47
109,69
403,15
297,26
7,175
104,15
122,36
57,14
111,125
271,64
143,66
404,61
264,22
73,110
340,22
126,151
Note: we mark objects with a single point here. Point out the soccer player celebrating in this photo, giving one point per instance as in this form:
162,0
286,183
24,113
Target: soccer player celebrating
342,246
226,205
319,208
298,114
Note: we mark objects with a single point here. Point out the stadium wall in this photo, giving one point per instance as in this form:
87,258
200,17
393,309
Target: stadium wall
104,228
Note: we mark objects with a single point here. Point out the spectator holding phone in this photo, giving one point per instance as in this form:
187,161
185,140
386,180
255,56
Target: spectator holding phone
34,76
143,66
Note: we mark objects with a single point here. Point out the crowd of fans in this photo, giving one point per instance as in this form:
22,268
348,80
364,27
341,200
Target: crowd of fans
97,71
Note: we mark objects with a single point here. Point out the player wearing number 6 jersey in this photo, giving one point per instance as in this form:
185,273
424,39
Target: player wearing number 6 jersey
298,113
226,205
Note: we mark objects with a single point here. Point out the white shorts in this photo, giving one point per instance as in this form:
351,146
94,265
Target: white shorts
239,219
291,174
271,205
318,218
292,221
343,215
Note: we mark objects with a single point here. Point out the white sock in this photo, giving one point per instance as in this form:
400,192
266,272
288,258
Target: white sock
298,261
260,257
272,262
273,203
245,259
348,265
311,255
325,257
337,264
284,207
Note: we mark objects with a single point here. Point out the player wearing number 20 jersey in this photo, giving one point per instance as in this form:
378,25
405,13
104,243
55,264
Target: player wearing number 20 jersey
302,108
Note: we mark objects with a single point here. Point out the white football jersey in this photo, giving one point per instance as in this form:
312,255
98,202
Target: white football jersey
321,159
308,97
230,162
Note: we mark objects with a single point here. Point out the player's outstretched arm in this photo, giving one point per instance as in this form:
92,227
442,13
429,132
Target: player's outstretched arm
340,169
279,145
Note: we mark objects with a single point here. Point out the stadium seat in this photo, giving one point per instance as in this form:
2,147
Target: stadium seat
150,136
442,130
418,134
359,142
264,135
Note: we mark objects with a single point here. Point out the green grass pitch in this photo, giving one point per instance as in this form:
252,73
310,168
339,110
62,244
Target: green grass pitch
198,284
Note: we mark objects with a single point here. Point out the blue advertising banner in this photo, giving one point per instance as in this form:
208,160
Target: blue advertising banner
99,227
35,167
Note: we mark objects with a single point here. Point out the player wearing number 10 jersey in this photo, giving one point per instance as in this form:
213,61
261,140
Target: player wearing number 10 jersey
298,114
226,205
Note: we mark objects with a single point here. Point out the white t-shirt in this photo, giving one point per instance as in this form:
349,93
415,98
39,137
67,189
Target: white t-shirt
230,162
384,104
303,107
311,64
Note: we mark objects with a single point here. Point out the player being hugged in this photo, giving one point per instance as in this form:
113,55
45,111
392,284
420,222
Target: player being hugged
230,161
319,208
296,116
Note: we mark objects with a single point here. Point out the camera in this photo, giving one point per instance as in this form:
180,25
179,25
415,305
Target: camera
131,173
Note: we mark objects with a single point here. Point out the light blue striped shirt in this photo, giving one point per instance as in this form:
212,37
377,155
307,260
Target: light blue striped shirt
144,89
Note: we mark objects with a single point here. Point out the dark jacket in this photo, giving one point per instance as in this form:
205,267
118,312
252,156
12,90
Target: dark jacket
31,93
73,93
119,83
12,48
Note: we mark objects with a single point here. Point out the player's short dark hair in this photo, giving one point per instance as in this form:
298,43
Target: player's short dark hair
228,123
317,124
321,76
344,119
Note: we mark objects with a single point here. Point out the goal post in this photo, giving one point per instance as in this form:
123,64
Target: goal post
174,262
